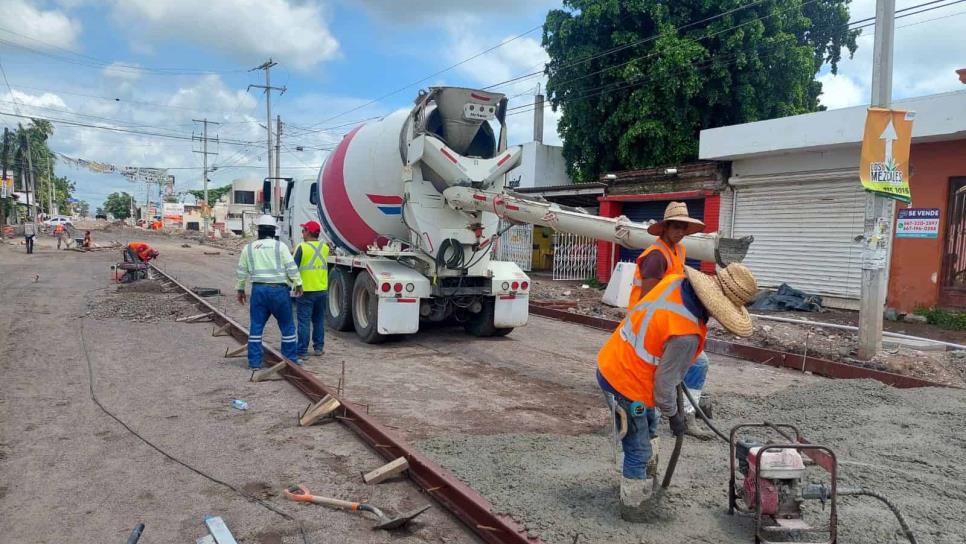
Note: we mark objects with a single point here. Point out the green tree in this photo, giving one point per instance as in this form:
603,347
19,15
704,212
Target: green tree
36,136
99,211
637,80
214,193
118,205
83,208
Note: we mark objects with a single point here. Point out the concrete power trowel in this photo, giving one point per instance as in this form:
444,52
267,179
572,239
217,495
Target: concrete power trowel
768,481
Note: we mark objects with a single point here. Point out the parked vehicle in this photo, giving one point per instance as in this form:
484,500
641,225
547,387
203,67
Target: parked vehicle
59,220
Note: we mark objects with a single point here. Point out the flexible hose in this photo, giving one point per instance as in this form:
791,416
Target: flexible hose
704,418
895,509
678,440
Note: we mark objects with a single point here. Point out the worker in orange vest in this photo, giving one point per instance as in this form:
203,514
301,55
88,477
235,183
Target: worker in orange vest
140,252
643,361
667,256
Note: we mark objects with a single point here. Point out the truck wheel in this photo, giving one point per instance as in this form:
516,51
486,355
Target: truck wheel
365,309
338,310
481,324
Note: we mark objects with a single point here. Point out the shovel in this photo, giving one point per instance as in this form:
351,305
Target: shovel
299,493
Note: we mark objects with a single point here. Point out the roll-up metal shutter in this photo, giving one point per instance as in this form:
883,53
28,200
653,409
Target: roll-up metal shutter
654,209
804,228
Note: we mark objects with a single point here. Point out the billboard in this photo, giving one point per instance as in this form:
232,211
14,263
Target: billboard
173,213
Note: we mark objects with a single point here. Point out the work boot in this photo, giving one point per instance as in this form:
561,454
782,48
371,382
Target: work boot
696,429
642,501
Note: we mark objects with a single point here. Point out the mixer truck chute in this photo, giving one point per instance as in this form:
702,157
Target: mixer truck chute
412,203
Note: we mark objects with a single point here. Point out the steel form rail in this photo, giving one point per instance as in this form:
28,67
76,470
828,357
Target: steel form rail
765,356
445,488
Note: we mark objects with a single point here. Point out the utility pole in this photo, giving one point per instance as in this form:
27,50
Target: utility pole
278,152
50,188
3,178
267,66
27,173
204,154
878,210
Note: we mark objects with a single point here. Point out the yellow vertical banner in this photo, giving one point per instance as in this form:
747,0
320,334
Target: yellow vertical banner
884,163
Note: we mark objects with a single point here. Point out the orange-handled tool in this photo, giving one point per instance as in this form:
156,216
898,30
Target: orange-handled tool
299,493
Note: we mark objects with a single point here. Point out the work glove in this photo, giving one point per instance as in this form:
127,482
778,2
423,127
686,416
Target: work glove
679,423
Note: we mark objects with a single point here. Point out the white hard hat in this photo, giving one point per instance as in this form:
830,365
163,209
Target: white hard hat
266,220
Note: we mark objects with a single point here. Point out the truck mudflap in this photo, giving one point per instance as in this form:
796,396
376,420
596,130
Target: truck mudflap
511,310
398,315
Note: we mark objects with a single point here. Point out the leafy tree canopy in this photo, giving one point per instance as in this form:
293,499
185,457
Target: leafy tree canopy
118,205
214,193
637,80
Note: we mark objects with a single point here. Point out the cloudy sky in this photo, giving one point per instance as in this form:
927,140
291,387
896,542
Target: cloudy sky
146,68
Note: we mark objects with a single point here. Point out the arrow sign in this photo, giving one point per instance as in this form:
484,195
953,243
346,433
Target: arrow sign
890,136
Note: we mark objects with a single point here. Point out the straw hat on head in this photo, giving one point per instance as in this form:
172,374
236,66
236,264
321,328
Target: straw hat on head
676,211
725,295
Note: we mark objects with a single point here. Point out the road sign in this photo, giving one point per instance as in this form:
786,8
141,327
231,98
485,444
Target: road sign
884,163
918,223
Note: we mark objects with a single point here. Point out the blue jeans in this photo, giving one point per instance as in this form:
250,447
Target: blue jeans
266,301
641,428
697,373
311,312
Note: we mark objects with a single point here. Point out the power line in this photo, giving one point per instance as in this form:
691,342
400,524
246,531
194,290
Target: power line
88,60
618,86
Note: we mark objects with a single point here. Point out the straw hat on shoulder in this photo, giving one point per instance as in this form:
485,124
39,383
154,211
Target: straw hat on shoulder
725,295
676,211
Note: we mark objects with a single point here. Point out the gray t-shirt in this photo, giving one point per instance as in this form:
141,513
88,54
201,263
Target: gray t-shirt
29,229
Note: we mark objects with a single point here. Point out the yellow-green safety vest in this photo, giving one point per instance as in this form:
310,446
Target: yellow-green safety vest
314,267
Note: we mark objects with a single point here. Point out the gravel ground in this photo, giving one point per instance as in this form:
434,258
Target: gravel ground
906,444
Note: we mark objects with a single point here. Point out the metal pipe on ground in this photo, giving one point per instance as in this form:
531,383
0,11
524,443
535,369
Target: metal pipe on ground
854,329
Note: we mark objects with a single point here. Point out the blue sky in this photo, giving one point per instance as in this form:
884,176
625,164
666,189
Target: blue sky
178,60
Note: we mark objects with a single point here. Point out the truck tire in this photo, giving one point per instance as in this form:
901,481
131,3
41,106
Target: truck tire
338,309
365,309
481,324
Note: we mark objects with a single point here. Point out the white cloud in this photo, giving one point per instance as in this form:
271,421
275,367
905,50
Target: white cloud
295,34
520,56
927,51
122,71
46,27
428,11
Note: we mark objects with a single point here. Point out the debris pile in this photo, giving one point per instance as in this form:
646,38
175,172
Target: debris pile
144,301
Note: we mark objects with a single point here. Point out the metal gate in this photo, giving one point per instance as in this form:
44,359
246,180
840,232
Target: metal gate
953,286
574,257
515,244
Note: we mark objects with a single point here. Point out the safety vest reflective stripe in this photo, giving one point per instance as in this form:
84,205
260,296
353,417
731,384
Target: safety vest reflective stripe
257,267
636,340
316,262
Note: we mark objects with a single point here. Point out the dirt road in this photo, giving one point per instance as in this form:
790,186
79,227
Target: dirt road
519,417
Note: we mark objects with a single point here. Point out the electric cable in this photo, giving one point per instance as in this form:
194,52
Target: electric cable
895,509
242,493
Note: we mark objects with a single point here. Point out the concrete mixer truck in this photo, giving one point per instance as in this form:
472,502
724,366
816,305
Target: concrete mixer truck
412,203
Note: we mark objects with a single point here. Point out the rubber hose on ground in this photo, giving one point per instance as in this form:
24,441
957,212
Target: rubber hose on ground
895,510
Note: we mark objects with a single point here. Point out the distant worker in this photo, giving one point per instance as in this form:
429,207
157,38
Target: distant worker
60,231
29,233
139,252
647,356
271,268
666,256
311,256
88,241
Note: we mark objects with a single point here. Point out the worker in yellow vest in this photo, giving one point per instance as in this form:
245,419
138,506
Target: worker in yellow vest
312,257
666,256
644,360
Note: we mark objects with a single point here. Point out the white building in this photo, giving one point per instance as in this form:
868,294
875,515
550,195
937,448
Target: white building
542,166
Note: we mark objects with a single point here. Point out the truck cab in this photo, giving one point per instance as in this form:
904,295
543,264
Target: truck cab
300,205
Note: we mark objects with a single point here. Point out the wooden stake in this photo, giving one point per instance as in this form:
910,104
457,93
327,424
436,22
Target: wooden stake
317,411
193,318
389,470
237,352
263,375
221,331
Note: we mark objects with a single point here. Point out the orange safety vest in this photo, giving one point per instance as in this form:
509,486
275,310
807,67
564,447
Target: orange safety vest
631,355
675,265
141,249
59,229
